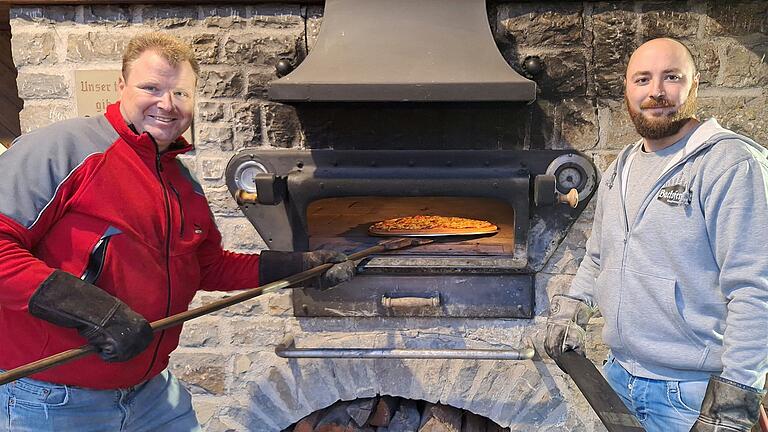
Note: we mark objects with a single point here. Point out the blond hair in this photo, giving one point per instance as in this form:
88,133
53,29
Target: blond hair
168,47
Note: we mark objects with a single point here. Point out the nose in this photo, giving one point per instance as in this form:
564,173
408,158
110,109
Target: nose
165,101
657,90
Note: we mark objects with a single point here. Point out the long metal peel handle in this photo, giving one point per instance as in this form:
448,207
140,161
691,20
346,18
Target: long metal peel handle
174,320
287,349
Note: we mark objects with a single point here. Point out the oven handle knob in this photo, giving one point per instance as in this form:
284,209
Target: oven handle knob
410,302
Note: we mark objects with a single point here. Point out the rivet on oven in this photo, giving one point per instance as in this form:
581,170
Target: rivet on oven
486,163
335,163
322,185
519,307
373,163
411,163
449,163
300,164
495,184
305,308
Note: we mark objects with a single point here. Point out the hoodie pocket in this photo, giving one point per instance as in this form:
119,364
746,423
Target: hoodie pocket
608,297
651,325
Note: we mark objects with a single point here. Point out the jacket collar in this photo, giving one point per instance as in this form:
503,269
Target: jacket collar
142,143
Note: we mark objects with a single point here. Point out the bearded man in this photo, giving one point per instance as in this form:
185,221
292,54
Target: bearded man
675,262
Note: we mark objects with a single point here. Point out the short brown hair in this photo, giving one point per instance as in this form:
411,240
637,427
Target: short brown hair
168,47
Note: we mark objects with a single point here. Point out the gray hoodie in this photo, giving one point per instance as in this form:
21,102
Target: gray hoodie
683,288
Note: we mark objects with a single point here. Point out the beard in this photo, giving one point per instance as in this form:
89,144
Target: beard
666,125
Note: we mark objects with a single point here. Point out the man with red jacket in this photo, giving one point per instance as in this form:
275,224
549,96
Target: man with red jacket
103,230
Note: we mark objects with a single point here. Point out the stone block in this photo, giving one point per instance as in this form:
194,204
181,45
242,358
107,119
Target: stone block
202,332
535,25
258,80
565,73
280,304
251,333
226,83
30,49
736,18
246,118
705,55
44,113
618,127
211,168
283,128
221,201
107,14
206,408
201,373
614,30
744,62
96,47
43,15
42,86
565,124
259,49
210,111
214,137
668,19
603,159
170,17
745,115
239,235
224,17
277,17
206,47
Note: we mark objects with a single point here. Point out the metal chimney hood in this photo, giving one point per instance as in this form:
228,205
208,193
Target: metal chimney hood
404,50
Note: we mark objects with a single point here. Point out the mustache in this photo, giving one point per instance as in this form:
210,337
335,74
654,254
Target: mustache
656,103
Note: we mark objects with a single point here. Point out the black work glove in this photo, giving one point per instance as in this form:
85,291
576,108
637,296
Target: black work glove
108,324
728,407
566,326
276,265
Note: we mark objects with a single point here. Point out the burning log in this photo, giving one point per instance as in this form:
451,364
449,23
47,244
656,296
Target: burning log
385,409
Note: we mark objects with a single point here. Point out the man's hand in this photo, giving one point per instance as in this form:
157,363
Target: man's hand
728,407
276,265
107,323
566,326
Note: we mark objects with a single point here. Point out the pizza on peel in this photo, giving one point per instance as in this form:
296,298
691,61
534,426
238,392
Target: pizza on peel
431,225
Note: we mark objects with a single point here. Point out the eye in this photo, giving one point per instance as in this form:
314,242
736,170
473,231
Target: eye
181,94
673,77
641,80
149,88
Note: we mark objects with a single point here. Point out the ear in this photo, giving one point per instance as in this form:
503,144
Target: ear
121,83
695,86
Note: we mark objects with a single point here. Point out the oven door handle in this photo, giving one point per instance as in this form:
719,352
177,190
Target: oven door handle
287,349
410,302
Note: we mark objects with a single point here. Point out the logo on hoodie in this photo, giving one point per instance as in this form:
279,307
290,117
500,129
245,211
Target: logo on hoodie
673,195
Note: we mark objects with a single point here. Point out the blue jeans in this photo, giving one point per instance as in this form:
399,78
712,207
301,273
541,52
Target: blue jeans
661,406
160,404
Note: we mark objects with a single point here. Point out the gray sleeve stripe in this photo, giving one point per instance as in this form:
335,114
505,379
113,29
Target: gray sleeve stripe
38,163
56,191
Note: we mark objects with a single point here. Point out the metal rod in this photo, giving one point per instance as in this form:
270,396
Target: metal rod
174,320
288,350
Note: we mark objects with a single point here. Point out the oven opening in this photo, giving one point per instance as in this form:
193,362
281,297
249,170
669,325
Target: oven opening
341,223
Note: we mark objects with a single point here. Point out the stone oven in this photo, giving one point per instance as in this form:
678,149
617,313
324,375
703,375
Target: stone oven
392,72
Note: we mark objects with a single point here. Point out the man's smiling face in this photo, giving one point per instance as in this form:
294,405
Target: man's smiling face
158,98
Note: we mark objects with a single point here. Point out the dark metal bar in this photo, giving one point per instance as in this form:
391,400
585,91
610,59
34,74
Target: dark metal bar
601,397
288,350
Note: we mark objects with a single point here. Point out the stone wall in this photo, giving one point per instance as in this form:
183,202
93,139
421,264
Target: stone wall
227,359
